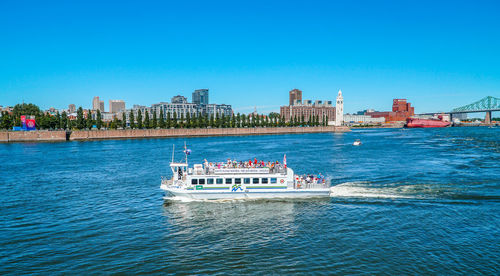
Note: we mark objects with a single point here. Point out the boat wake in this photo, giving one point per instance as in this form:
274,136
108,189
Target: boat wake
359,189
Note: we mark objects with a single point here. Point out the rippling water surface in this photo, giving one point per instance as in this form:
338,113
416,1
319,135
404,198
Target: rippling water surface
405,202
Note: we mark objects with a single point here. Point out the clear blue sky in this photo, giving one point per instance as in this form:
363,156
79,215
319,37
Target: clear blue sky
437,54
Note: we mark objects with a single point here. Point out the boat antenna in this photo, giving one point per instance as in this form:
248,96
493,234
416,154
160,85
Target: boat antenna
173,151
185,152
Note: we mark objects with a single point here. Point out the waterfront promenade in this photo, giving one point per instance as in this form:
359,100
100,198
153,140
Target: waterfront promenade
79,135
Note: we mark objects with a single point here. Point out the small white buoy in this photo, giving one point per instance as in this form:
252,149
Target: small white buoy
357,142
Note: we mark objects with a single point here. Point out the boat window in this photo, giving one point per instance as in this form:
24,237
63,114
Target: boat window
194,181
265,180
237,181
219,181
273,180
247,180
229,181
255,181
210,181
201,181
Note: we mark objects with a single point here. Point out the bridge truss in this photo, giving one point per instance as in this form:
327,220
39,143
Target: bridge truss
486,104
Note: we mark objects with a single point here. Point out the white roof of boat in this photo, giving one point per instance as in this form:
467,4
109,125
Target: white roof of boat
174,164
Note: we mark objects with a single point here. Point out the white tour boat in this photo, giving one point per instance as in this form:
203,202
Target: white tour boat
240,180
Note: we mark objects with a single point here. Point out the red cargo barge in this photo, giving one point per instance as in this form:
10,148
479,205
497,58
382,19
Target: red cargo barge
418,123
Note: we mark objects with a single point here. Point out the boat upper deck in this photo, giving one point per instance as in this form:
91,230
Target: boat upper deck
234,168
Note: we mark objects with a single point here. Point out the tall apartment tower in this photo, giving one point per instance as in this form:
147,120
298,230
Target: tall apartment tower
339,110
71,108
200,96
116,106
95,103
295,94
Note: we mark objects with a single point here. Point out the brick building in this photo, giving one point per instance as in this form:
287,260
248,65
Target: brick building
298,108
295,96
401,109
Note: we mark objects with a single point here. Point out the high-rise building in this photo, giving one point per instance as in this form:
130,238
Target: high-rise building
295,96
339,110
72,108
200,96
116,106
179,99
95,103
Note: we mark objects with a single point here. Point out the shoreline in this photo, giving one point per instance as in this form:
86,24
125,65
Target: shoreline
89,135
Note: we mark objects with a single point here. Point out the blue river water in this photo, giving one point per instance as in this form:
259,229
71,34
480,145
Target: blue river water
418,201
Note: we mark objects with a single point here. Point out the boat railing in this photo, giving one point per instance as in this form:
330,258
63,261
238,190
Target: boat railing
214,170
166,181
311,185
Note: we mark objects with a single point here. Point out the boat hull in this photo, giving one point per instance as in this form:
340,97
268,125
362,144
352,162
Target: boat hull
425,123
247,194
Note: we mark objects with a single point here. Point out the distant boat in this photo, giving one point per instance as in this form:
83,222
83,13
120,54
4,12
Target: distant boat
357,142
426,123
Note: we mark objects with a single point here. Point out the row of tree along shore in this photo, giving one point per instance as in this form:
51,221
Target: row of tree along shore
61,121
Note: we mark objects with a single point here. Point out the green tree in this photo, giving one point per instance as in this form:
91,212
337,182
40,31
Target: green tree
217,120
188,120
115,123
238,120
24,109
169,120
162,120
147,121
53,122
6,121
80,121
58,120
181,121
99,119
71,124
64,120
212,121
89,121
139,119
233,121
243,120
131,119
174,120
124,120
154,122
206,120
222,121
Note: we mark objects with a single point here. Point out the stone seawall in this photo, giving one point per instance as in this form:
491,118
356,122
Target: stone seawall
21,136
32,136
152,133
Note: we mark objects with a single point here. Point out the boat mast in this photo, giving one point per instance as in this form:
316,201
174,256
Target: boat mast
185,152
173,150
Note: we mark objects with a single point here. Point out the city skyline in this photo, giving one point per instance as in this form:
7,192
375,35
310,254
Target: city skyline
435,56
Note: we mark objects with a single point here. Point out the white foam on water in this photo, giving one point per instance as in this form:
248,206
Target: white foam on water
180,199
356,189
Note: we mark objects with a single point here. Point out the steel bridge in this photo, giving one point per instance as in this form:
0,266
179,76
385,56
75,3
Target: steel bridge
486,104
